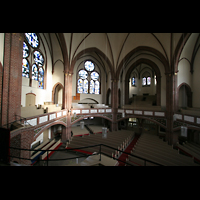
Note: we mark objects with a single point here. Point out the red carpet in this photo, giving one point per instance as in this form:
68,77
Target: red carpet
128,150
82,151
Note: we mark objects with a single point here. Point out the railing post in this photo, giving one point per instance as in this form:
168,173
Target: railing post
100,152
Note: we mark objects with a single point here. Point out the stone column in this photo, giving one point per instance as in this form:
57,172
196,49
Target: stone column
66,134
114,104
170,105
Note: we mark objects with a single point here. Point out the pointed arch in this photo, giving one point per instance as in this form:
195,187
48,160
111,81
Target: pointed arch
158,54
96,50
158,78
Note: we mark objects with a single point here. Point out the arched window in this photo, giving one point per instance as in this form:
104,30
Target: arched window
88,79
33,55
34,72
133,81
25,68
41,78
149,80
146,81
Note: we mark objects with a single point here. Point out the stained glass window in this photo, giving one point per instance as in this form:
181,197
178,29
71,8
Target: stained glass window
149,81
94,76
88,80
80,86
144,81
25,68
133,81
25,50
89,66
85,86
97,87
34,72
32,39
33,56
38,58
92,90
41,78
83,74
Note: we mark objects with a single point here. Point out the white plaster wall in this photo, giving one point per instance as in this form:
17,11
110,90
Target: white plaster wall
58,75
1,47
184,74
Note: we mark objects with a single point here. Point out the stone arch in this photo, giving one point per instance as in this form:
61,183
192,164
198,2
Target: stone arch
84,116
158,78
142,117
48,126
148,49
96,50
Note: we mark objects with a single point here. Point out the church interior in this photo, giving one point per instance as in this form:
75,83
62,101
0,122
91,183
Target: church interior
111,99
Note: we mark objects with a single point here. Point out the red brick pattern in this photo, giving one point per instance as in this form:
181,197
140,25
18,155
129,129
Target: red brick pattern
12,78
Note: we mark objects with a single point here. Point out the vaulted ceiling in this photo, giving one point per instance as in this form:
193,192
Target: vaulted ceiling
114,50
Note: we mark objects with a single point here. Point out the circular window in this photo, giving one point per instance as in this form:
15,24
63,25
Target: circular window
32,39
38,58
83,74
89,66
94,75
25,50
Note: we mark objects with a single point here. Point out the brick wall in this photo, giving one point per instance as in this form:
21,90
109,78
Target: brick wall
21,138
12,77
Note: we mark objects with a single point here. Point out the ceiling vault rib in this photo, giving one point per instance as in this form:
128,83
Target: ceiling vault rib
122,49
161,46
70,47
79,45
110,50
194,54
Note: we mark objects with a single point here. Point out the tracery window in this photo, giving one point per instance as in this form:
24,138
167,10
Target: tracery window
146,81
31,48
88,79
